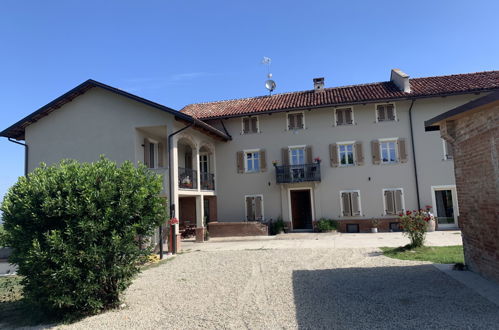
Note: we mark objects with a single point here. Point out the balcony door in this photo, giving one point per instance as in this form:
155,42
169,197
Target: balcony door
297,160
204,163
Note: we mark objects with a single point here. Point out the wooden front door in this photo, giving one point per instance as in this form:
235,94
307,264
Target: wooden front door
301,209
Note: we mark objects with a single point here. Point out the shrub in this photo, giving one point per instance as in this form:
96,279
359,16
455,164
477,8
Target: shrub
276,227
415,224
2,236
75,231
325,225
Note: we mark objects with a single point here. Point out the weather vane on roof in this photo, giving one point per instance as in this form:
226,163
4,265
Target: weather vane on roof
269,83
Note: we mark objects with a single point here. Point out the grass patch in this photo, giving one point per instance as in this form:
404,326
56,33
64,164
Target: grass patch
14,310
436,254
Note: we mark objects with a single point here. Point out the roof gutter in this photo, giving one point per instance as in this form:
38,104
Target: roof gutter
26,154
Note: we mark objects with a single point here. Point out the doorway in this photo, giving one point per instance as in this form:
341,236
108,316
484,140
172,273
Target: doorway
301,209
445,206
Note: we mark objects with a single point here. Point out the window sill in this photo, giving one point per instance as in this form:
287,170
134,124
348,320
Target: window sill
391,163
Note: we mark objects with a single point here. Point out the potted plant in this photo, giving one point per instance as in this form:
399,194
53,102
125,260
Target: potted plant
431,222
374,224
317,160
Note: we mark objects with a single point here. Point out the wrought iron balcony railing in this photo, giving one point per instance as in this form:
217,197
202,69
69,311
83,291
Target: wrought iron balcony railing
207,181
187,178
298,173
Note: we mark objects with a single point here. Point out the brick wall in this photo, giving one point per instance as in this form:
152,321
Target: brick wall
227,229
476,162
366,225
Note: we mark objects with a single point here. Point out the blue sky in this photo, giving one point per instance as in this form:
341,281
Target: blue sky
181,52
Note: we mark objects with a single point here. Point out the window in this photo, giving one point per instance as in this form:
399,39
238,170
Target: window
204,163
252,161
344,116
250,125
295,121
153,153
393,201
448,150
254,207
345,154
385,112
388,150
297,155
350,203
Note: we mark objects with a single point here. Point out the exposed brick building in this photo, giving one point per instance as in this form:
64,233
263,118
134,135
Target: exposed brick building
473,130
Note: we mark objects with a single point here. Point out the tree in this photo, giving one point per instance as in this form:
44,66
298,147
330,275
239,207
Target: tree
75,230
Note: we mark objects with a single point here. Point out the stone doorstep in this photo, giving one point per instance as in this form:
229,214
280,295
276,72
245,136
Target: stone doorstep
486,288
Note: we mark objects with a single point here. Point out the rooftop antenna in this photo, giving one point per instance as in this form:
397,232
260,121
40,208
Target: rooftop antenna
269,83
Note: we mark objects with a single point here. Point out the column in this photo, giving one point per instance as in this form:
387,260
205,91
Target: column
200,219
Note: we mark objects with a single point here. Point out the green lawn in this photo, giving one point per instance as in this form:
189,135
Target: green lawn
437,254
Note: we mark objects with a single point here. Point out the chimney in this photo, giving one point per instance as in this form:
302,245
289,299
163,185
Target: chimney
401,80
319,84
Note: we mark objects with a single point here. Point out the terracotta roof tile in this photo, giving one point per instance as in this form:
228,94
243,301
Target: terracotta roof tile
420,87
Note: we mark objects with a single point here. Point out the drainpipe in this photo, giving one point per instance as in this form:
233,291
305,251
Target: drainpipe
170,192
414,154
25,155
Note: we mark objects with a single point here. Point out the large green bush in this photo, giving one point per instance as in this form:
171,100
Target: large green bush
74,228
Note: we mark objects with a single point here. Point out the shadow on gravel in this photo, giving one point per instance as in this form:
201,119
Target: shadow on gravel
388,298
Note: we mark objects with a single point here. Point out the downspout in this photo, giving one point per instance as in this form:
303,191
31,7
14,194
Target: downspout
25,155
414,154
170,192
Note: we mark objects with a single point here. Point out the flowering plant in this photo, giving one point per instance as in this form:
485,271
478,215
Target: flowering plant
317,159
173,221
415,224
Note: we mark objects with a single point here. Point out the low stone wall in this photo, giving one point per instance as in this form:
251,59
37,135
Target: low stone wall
227,229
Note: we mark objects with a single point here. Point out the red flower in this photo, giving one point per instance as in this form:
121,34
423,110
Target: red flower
428,207
401,214
408,213
401,227
173,221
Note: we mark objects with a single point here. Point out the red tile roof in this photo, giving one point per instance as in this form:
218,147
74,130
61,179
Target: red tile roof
382,91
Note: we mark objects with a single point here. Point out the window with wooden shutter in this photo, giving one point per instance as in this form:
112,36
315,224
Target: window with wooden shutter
346,153
345,202
333,155
263,160
310,155
350,203
285,156
146,153
254,124
359,155
240,161
389,202
402,151
375,152
296,121
385,112
254,208
344,116
246,125
250,125
394,201
388,150
250,210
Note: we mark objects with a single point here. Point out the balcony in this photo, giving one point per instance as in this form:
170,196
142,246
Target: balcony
207,181
187,178
298,173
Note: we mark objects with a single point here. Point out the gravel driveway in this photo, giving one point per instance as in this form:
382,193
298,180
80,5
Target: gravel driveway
296,288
